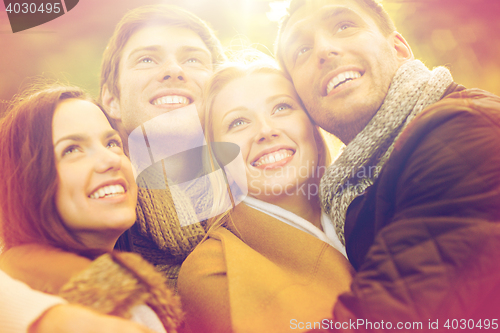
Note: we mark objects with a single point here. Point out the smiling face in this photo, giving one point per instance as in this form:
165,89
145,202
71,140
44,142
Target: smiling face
162,68
341,63
261,113
96,193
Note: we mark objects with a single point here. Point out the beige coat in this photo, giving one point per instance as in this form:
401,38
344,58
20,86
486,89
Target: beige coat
258,274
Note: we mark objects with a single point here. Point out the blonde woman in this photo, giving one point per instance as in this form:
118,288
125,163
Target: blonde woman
273,262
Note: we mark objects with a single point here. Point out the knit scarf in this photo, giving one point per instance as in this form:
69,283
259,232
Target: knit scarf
413,88
166,232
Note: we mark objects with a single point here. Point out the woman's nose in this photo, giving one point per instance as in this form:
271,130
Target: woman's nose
266,131
107,160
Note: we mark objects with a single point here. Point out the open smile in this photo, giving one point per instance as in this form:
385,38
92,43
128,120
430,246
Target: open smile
341,79
108,191
273,157
171,100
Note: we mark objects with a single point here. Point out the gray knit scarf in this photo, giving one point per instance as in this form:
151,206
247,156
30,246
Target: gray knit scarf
413,88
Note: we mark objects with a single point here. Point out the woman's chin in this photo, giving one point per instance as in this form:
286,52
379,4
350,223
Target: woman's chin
119,224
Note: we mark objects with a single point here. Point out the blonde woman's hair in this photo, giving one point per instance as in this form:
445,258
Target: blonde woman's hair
248,63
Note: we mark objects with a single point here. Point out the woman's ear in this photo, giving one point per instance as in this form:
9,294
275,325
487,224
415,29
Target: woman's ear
111,103
402,48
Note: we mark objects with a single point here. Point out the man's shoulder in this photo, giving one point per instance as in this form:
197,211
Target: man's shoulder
466,101
461,108
475,100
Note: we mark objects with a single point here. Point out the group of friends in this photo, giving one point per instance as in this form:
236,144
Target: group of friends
136,213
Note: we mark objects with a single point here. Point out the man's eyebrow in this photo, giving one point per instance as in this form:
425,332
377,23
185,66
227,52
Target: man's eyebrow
189,48
335,11
292,37
150,48
327,14
110,133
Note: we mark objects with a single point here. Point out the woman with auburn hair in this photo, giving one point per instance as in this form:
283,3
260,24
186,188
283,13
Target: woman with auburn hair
67,184
273,262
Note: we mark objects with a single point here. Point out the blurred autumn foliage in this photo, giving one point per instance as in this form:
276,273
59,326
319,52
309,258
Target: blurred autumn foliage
461,34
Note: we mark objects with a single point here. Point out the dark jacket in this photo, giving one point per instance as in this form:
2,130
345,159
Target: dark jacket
425,238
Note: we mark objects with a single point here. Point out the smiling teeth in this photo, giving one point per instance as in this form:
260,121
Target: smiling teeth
273,157
341,78
107,191
172,99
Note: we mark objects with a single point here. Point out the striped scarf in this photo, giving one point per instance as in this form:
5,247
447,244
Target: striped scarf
413,88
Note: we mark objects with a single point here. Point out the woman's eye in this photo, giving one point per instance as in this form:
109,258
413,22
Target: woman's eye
236,123
281,107
70,150
193,60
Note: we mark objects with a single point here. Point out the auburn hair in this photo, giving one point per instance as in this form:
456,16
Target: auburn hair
28,213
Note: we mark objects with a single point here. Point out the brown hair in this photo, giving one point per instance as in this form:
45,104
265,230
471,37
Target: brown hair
146,16
372,7
29,175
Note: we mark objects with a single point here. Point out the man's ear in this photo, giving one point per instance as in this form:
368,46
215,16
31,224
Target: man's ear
402,48
111,103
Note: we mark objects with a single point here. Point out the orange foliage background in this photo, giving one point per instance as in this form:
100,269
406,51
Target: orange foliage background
461,34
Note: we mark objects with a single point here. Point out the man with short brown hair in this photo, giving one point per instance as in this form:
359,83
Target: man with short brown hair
152,48
156,64
415,195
